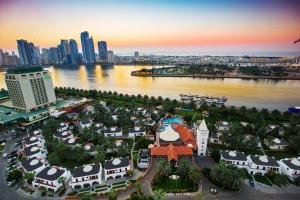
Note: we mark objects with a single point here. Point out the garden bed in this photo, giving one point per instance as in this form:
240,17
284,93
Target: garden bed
263,180
174,186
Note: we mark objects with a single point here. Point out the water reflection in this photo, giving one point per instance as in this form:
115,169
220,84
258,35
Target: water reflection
260,93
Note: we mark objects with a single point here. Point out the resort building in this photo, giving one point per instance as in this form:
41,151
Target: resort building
236,158
216,138
51,178
113,132
33,165
144,159
30,88
90,148
116,168
35,151
290,167
261,165
86,176
137,131
71,142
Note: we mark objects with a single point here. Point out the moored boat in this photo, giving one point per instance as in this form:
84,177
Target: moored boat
295,109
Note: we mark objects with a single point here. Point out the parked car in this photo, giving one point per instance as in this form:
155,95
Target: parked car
5,155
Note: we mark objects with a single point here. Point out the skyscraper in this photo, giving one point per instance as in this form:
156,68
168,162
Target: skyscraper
110,56
29,54
88,49
66,52
74,52
102,49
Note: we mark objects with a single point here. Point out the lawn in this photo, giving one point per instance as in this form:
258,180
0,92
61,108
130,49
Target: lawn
281,154
262,179
175,186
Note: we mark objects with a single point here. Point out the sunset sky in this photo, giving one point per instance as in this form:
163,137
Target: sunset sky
221,25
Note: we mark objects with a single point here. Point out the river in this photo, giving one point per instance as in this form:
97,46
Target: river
269,94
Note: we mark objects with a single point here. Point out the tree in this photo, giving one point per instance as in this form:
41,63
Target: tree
100,155
86,196
194,175
29,177
112,195
215,154
198,196
183,168
14,175
281,180
159,195
227,176
138,187
122,151
164,168
62,180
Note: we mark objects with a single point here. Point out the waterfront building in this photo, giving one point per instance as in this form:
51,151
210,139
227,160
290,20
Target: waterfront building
116,168
102,49
110,56
30,88
50,177
86,176
290,167
236,158
8,60
136,56
88,49
53,55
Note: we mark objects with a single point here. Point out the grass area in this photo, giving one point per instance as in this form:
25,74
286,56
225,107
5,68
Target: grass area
247,151
262,179
281,154
176,186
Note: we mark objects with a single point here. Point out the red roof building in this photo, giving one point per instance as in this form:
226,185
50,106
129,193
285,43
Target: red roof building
171,151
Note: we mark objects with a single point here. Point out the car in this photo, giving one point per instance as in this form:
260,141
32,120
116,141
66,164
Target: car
251,182
5,155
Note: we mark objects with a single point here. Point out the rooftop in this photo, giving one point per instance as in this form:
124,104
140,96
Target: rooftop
87,170
171,151
23,70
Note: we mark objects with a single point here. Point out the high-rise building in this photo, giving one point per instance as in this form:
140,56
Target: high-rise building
102,49
30,88
88,49
74,52
1,57
66,52
110,56
53,56
29,54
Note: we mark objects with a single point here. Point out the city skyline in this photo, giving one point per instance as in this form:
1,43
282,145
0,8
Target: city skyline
223,26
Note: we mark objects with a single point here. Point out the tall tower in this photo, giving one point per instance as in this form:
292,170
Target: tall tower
202,137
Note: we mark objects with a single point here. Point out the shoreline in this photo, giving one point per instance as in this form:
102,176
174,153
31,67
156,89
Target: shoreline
218,77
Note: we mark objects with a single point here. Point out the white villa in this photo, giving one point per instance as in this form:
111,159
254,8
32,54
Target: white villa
236,158
63,127
276,143
86,176
85,123
33,165
51,178
262,164
222,126
62,136
137,131
35,151
116,168
34,140
113,132
290,167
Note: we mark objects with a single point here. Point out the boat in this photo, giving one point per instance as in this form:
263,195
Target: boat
295,109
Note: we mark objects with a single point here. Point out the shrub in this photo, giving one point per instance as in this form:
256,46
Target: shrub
215,154
206,171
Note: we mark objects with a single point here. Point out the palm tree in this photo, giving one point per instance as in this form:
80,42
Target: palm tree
194,175
159,195
138,187
164,167
112,195
183,167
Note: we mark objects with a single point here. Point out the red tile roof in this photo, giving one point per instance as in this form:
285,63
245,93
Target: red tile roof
172,151
186,134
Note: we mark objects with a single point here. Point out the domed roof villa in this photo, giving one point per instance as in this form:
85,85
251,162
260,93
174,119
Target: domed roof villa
116,168
86,176
175,140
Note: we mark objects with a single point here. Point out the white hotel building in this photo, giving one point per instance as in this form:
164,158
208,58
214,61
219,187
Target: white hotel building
290,167
116,168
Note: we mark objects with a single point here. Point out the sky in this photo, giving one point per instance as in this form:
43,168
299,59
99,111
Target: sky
159,25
